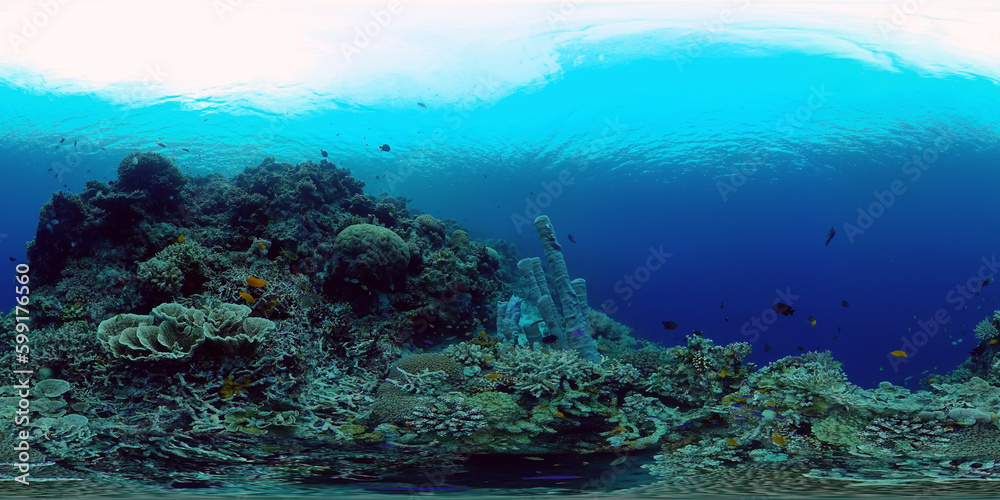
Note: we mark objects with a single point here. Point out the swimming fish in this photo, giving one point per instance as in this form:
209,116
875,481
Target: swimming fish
289,254
844,303
778,440
987,281
732,442
384,147
534,458
898,354
493,376
992,341
829,235
669,325
255,282
548,339
571,238
422,105
247,297
180,238
160,144
186,150
722,374
812,321
262,246
488,359
767,347
722,305
62,140
782,308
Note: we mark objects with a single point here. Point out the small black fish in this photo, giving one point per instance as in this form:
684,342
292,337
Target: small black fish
800,348
571,238
385,147
50,170
829,235
987,281
62,140
324,153
422,105
727,319
669,325
186,150
722,305
548,339
74,144
844,303
376,177
838,329
782,308
767,347
836,337
111,183
12,259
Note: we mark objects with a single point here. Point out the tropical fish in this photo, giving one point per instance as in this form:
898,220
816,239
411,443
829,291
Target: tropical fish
180,238
829,235
844,303
247,297
987,281
722,305
255,282
784,309
898,354
288,254
324,153
488,359
722,374
669,325
262,246
778,440
493,376
767,347
571,238
812,321
384,147
992,341
732,442
160,144
422,105
186,150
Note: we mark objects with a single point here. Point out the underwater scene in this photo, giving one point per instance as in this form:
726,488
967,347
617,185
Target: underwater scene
500,249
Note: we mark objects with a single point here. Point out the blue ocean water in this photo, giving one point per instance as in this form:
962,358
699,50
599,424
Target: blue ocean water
698,164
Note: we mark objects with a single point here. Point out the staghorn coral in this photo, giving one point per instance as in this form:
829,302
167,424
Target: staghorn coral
547,372
447,416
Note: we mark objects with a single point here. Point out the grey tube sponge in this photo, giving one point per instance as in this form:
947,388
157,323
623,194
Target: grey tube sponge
524,266
508,318
574,307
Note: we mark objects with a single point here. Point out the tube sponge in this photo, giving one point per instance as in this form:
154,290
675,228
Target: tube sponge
574,307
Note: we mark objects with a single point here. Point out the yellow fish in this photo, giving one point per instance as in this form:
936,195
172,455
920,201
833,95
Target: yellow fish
261,245
778,440
722,374
558,414
898,353
534,458
255,282
732,442
488,359
492,376
812,321
993,341
180,238
247,297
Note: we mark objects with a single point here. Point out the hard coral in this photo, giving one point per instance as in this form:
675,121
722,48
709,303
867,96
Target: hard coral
152,173
374,255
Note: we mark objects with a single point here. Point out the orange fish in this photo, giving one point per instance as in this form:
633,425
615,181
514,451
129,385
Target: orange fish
263,246
255,282
180,238
247,297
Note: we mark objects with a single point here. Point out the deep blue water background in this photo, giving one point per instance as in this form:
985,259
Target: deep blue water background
646,147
